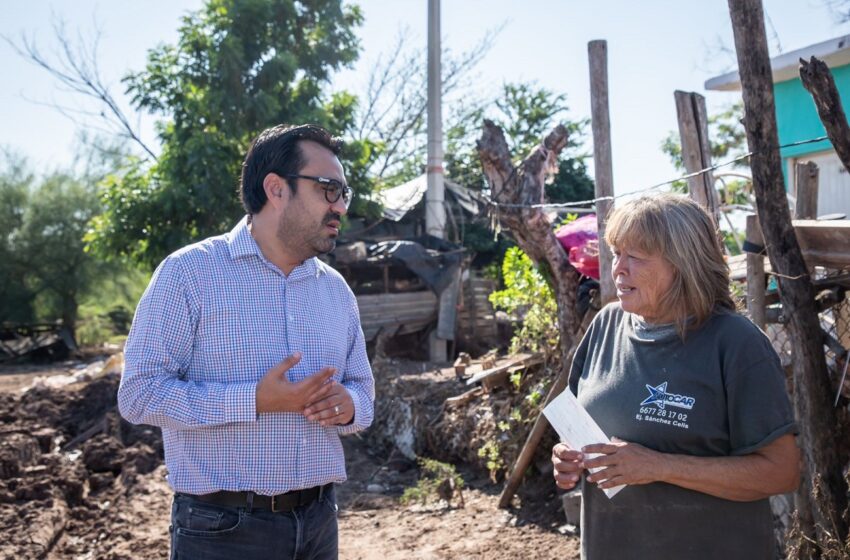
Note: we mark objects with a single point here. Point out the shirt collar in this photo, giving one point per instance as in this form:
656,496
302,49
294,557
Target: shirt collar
241,243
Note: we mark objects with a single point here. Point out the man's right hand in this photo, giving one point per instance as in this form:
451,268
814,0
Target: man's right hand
568,465
275,393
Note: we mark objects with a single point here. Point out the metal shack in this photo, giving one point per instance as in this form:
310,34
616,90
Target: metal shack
398,272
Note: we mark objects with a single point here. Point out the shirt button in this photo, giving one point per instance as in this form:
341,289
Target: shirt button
292,317
304,441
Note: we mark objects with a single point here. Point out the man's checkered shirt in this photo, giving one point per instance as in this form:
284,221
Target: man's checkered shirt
216,316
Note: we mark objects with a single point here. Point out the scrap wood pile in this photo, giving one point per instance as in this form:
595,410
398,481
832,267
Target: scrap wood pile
71,468
478,412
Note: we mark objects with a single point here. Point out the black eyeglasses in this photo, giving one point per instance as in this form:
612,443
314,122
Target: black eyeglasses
333,189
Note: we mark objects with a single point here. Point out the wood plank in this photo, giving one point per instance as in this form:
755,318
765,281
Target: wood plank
806,184
464,398
525,360
824,243
696,152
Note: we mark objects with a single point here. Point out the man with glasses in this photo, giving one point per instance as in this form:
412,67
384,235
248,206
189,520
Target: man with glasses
247,351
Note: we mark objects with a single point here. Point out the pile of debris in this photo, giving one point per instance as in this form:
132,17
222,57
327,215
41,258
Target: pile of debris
69,465
478,412
36,341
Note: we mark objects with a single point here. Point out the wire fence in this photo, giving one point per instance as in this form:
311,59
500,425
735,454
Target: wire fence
835,323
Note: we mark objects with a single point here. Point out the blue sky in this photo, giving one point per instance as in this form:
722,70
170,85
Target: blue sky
654,48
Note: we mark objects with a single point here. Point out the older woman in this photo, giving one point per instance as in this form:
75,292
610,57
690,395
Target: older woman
693,393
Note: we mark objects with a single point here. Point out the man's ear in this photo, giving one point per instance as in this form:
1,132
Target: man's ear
273,185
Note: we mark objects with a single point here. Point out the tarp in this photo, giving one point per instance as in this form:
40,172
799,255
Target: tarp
432,259
398,201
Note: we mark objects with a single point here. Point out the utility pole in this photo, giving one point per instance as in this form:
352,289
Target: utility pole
435,210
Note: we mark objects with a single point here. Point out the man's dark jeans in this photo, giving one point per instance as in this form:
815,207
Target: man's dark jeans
205,531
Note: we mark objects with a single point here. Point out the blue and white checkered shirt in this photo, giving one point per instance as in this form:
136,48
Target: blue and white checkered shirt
216,316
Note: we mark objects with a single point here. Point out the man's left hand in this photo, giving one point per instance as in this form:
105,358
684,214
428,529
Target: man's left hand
335,409
623,462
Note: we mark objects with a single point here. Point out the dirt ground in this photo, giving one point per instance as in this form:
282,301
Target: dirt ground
77,482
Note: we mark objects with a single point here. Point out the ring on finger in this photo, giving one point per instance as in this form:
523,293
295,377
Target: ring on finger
336,410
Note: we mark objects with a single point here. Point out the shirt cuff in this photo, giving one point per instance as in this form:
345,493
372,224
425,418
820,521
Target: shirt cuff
240,402
354,425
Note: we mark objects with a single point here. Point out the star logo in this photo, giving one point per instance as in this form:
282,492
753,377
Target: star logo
659,396
656,395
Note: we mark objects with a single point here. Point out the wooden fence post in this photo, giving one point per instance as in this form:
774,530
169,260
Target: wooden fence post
696,150
755,274
806,181
597,52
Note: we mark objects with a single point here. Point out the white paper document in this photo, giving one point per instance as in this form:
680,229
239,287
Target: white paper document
576,428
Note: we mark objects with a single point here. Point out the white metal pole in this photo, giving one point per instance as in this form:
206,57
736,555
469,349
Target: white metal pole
435,210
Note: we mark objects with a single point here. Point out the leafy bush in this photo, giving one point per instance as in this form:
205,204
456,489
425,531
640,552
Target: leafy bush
438,481
528,295
492,452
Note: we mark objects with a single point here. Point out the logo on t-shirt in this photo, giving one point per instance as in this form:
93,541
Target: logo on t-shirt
661,398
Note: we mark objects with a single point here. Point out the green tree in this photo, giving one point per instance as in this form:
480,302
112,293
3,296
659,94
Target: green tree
50,243
238,67
16,299
527,294
45,272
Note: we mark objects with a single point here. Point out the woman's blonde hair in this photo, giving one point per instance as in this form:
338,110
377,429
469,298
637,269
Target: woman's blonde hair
685,235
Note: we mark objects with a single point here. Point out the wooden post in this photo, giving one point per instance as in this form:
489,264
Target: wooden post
818,80
597,52
755,274
696,149
806,182
812,389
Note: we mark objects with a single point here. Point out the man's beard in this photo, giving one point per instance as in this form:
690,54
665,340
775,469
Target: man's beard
326,244
317,244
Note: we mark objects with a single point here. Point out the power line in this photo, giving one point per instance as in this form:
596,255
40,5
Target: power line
580,203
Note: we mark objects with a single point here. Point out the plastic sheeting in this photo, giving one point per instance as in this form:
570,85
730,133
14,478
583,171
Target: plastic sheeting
434,260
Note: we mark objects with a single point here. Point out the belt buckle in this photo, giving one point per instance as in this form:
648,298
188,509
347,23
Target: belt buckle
274,504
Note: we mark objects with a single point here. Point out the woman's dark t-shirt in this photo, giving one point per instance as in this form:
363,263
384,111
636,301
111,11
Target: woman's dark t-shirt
721,392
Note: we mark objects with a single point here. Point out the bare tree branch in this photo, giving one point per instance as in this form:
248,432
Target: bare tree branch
395,103
75,67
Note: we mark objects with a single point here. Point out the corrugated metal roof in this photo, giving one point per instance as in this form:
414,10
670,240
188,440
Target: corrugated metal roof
834,52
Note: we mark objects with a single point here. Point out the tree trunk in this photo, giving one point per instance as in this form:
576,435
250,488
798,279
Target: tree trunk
817,79
515,189
815,413
69,314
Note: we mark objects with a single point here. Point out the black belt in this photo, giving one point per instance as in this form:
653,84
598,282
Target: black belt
250,500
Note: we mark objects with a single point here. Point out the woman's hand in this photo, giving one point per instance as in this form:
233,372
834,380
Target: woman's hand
623,462
771,469
567,462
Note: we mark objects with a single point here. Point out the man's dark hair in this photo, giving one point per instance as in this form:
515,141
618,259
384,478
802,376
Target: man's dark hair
276,150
